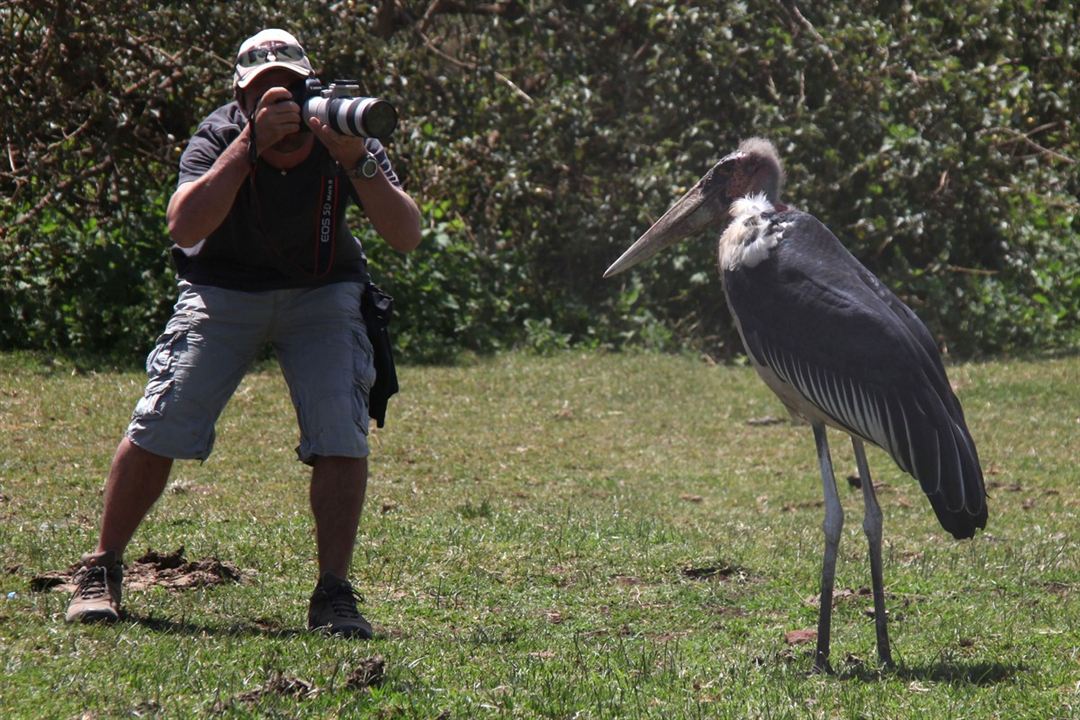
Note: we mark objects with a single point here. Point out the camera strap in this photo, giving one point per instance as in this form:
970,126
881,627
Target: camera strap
326,225
325,230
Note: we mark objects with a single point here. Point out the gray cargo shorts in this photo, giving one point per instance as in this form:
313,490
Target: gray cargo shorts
213,337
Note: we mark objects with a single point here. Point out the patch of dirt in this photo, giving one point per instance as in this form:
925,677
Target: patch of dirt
277,684
267,625
565,412
792,507
670,636
841,596
184,487
281,684
706,572
370,673
910,557
866,595
799,637
765,421
168,570
48,581
1055,587
560,576
628,580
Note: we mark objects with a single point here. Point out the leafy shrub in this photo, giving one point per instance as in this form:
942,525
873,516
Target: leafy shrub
448,296
938,140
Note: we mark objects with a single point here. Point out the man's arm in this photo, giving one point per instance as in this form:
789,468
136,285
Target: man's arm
197,208
393,214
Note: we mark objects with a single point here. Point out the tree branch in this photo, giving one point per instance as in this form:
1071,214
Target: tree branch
1017,136
794,9
471,66
60,191
388,12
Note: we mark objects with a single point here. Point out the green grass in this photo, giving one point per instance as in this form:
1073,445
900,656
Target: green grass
525,551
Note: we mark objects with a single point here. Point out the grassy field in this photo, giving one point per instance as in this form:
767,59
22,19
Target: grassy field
579,536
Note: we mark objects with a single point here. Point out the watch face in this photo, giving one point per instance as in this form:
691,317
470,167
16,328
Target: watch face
369,167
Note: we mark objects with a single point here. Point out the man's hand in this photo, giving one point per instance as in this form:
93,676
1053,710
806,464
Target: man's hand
348,150
276,117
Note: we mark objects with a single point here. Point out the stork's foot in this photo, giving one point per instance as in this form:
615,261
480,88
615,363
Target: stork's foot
821,665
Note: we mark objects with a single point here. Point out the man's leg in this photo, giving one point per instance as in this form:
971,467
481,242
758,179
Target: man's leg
136,480
206,354
338,485
337,497
325,356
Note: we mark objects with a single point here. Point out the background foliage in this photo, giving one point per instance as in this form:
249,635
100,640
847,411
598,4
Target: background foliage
938,140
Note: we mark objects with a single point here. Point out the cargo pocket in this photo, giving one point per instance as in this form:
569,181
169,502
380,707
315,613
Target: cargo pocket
161,369
363,378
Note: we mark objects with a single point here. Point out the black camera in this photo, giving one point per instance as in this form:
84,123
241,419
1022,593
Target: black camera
343,108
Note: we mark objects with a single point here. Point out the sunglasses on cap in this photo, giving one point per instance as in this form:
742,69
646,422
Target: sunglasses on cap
271,52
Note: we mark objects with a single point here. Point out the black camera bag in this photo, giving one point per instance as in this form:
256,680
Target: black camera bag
377,307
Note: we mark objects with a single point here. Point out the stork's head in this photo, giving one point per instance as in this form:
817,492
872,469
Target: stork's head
753,168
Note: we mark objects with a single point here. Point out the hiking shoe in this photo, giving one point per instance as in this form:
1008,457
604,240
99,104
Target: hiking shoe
97,592
333,609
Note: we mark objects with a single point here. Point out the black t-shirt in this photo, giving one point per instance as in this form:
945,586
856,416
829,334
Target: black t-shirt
285,228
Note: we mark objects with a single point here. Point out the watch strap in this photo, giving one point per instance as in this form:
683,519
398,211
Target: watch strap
366,169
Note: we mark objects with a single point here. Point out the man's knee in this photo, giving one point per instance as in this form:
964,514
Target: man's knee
130,454
340,465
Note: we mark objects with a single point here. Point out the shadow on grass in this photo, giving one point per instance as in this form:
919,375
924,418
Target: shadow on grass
249,629
184,627
941,671
962,673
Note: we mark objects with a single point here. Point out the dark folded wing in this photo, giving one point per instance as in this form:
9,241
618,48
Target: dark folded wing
827,327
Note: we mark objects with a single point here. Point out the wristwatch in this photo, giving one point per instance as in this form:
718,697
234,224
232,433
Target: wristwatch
366,169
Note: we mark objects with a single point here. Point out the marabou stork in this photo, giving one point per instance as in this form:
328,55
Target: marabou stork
837,347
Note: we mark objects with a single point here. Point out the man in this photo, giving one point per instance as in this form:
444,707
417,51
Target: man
263,255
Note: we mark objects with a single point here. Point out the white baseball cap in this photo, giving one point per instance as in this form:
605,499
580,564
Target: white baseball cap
271,48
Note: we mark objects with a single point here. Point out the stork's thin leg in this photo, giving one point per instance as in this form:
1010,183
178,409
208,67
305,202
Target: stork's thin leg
872,528
834,523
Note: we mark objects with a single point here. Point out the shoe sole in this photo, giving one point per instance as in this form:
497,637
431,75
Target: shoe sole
94,616
357,633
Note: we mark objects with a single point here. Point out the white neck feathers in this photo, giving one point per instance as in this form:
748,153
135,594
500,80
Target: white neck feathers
751,205
747,240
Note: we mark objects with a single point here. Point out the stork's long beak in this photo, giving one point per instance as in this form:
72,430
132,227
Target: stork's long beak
705,204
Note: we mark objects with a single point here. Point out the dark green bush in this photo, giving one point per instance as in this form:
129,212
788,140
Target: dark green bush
938,140
449,296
